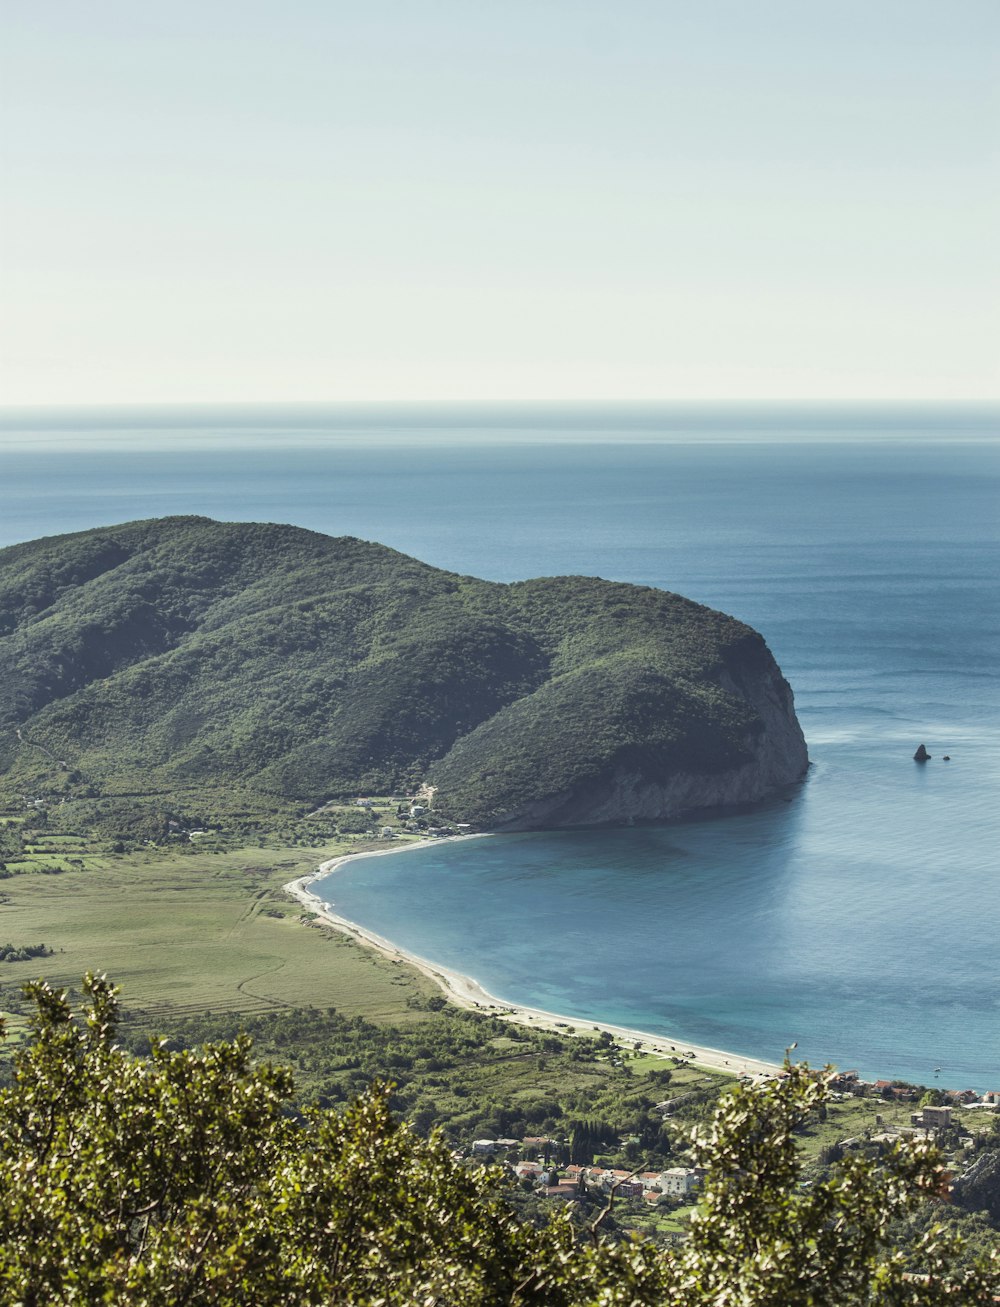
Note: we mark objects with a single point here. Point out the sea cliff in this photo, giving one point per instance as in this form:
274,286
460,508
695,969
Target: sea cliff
638,786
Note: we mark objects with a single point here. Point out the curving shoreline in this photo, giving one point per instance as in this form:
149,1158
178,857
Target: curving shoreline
466,992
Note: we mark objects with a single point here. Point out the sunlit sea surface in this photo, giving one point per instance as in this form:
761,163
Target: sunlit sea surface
859,915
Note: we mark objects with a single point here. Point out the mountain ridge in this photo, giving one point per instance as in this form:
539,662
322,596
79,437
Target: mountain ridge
166,655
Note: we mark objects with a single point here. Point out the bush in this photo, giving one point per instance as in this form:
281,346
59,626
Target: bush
24,953
181,1178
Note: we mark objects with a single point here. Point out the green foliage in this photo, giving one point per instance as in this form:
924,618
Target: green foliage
588,1137
970,1235
181,1178
23,952
759,1236
469,1073
11,839
255,664
355,821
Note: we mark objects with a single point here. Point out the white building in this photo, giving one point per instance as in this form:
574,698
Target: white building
679,1181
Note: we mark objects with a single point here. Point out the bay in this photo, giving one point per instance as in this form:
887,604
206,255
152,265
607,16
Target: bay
859,917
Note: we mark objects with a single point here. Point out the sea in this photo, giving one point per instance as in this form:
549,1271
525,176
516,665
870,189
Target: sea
856,916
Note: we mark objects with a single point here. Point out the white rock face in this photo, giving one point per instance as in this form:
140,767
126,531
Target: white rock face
775,757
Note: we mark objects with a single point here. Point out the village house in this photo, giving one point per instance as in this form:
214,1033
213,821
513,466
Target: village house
528,1170
902,1093
675,1182
932,1118
963,1096
606,1178
538,1143
612,1175
845,1082
678,1181
896,1133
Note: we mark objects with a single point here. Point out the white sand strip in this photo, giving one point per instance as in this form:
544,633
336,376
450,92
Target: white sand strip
467,992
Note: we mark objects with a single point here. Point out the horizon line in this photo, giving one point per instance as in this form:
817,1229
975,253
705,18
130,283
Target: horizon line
692,401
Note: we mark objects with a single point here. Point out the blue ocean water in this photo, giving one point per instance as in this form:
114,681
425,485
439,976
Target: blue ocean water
861,917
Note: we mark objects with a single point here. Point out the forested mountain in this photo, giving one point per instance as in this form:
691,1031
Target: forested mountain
167,656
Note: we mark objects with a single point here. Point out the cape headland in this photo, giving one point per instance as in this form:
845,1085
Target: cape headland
274,665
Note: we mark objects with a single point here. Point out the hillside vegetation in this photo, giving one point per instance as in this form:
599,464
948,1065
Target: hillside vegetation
182,1178
263,664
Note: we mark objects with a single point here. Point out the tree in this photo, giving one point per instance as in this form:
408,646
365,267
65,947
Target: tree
760,1236
182,1178
11,844
355,821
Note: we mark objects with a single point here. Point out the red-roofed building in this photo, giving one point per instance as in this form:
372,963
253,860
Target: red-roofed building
900,1092
528,1170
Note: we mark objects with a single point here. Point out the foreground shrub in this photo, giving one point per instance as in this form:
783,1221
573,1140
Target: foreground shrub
182,1178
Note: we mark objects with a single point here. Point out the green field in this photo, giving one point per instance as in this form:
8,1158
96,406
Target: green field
193,932
195,938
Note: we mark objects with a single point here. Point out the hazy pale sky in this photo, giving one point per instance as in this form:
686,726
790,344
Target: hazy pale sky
229,200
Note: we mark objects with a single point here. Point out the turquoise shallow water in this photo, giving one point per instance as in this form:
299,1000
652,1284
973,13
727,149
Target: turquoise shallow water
745,933
860,917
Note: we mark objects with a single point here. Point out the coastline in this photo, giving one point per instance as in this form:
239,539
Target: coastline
465,991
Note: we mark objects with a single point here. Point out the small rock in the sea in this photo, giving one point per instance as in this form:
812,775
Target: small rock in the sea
946,758
921,754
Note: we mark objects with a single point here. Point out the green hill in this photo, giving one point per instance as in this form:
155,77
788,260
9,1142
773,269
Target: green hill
182,656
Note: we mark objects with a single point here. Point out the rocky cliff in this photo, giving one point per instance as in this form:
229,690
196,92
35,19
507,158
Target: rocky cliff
637,787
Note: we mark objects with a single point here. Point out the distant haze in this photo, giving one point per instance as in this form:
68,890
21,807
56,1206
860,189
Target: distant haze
572,200
273,428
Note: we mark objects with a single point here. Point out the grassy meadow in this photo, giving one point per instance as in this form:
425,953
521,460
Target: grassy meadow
190,932
202,936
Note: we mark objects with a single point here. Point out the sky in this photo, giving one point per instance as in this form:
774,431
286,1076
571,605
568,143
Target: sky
498,200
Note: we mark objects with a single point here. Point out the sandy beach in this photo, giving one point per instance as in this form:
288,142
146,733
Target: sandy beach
467,992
